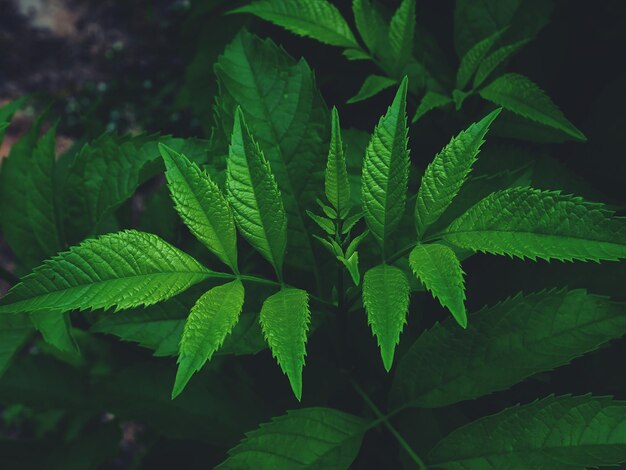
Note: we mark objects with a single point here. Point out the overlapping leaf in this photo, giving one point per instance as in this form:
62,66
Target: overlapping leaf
431,100
289,119
493,60
401,36
201,205
473,58
439,269
445,175
253,194
124,269
530,223
305,438
285,319
211,319
370,24
386,301
556,433
372,85
504,345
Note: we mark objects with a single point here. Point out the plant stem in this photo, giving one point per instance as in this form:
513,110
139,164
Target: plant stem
385,420
269,282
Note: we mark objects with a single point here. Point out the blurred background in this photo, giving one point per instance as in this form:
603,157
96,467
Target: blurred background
146,66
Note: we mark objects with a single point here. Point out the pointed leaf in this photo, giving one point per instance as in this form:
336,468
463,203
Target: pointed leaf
352,265
329,211
556,433
431,100
201,205
317,19
439,269
401,35
515,339
285,319
472,59
289,119
493,60
211,319
530,223
14,331
522,96
354,244
386,301
386,170
445,175
372,85
124,269
56,329
350,222
370,24
325,224
253,194
337,185
307,438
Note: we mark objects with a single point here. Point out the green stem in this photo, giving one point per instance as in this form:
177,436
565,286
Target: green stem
269,282
385,420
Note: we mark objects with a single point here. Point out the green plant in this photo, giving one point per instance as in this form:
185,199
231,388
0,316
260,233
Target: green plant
298,234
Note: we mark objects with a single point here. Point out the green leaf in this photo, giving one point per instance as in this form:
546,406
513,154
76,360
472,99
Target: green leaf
350,222
370,24
556,433
472,59
527,222
56,329
439,269
6,114
386,170
372,85
306,438
445,175
354,244
431,100
336,182
19,198
285,319
124,269
317,19
211,319
289,119
515,339
356,54
522,96
253,194
329,211
14,331
401,35
352,265
324,223
386,301
493,60
201,206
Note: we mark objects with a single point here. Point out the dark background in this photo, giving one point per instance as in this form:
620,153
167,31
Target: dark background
147,65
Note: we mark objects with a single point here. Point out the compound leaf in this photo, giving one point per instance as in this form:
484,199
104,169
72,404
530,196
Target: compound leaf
254,196
557,433
304,438
494,59
201,205
285,319
472,59
531,223
445,175
439,269
211,319
522,96
372,85
337,185
317,19
514,339
124,269
386,301
384,182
